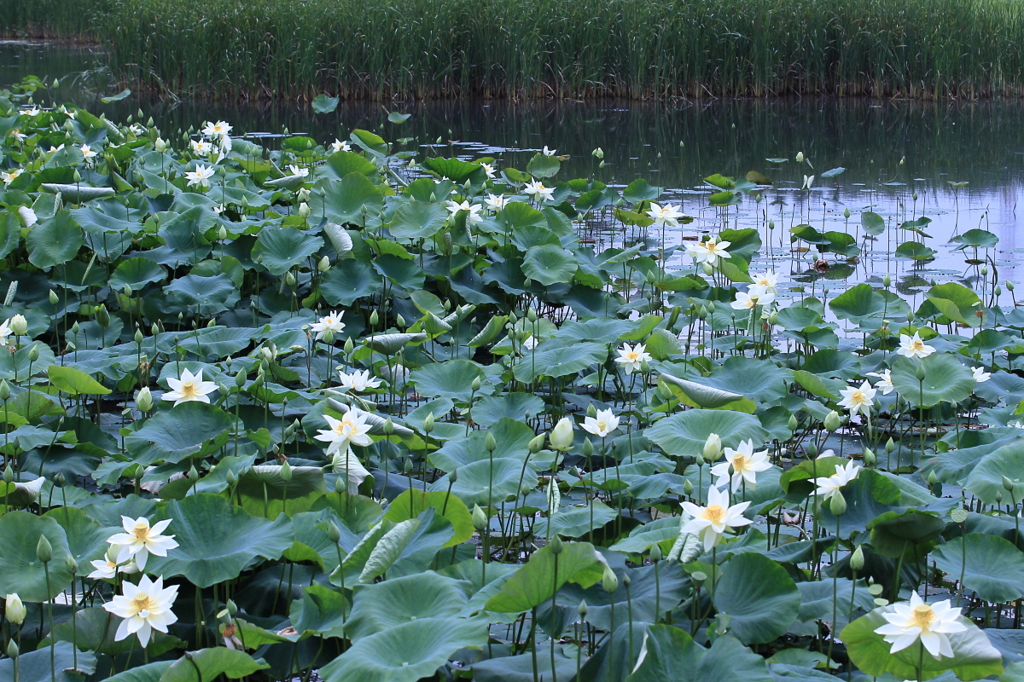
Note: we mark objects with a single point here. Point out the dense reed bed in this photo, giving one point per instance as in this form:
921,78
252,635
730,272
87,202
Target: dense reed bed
542,48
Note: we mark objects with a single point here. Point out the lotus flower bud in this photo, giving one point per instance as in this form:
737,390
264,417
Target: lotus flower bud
374,318
869,457
562,435
1009,285
286,471
984,270
771,224
708,269
688,488
1007,483
349,346
8,474
886,280
71,564
389,427
591,410
793,423
664,390
536,444
846,212
837,505
598,153
609,581
712,447
15,610
230,477
102,316
304,209
232,608
475,386
857,559
33,353
812,449
890,446
428,423
583,609
44,550
144,399
5,390
324,264
53,297
832,421
919,372
799,157
656,554
12,649
556,545
490,444
19,325
699,459
588,447
160,145
479,518
453,477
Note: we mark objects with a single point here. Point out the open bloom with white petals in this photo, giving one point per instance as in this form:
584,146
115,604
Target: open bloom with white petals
980,375
928,622
829,486
764,284
357,381
331,321
107,567
548,152
190,387
744,463
298,170
87,152
745,300
10,176
351,428
473,216
17,135
709,251
914,347
140,540
496,202
488,170
144,607
604,423
712,521
632,358
5,330
339,146
858,400
884,383
31,111
539,192
200,176
218,129
668,214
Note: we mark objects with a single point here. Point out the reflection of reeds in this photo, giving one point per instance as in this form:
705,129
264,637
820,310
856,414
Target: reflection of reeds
539,48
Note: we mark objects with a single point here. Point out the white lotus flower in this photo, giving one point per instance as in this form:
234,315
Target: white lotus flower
10,176
351,428
357,381
331,321
980,375
28,216
144,607
14,609
201,147
548,152
496,202
31,111
884,383
928,622
5,330
830,486
764,284
107,567
298,170
858,400
604,423
190,387
339,146
712,447
200,176
745,300
712,521
632,358
561,437
709,251
218,129
19,325
808,182
914,347
538,191
87,152
744,463
140,540
489,170
669,214
473,217
17,135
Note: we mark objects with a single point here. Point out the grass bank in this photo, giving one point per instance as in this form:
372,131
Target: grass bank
542,48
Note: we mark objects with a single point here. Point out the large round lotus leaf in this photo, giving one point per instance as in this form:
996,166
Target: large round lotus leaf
412,503
986,478
685,433
279,249
945,380
862,301
559,359
381,606
517,406
136,273
673,656
21,570
479,482
406,652
54,241
757,379
574,522
512,438
209,664
87,540
759,596
708,397
534,582
348,281
549,264
896,532
973,657
176,433
418,220
389,344
319,610
217,540
263,490
956,302
452,379
994,568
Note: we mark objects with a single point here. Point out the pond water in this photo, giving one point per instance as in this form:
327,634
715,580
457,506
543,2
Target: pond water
901,159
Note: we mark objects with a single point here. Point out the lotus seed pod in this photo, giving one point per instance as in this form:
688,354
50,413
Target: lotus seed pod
536,444
44,550
556,545
698,578
837,505
490,444
857,559
15,610
609,581
479,518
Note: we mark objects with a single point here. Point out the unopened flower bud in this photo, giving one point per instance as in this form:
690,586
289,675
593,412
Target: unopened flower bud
1007,483
609,581
536,444
12,649
688,488
562,435
712,447
588,447
837,505
832,421
144,399
15,610
490,444
286,471
324,264
793,423
374,318
53,297
44,550
857,558
591,410
33,353
556,545
428,423
869,457
583,609
479,518
19,325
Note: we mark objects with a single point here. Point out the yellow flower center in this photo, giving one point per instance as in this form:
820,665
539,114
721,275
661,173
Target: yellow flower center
632,355
923,617
602,425
142,602
739,463
188,389
141,531
714,513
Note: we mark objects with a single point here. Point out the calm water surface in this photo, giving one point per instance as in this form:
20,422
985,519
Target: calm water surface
892,153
